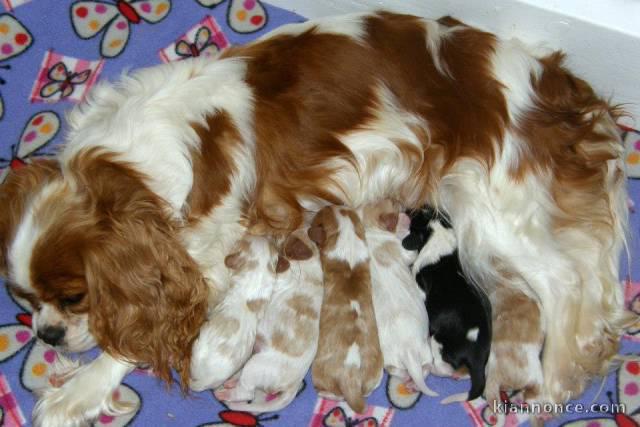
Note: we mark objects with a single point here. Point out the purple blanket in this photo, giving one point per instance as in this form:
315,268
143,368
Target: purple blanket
51,53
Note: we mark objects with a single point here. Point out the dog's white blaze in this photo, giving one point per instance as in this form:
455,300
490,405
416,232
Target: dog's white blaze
353,356
27,235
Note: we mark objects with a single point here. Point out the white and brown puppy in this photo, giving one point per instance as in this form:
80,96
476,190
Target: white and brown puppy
227,338
516,345
287,336
349,360
401,316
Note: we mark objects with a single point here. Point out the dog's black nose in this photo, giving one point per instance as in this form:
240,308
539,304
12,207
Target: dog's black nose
52,335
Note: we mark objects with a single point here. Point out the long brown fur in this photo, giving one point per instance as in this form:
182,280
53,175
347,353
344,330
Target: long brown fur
146,298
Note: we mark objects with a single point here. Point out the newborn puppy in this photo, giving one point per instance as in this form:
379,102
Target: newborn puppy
518,336
459,314
349,361
226,339
403,325
287,336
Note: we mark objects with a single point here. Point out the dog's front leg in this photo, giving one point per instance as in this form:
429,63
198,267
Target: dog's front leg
86,393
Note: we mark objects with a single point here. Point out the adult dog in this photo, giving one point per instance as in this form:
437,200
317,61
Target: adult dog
122,240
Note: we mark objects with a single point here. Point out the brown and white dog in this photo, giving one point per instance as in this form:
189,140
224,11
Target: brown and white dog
349,361
121,241
401,316
287,334
516,345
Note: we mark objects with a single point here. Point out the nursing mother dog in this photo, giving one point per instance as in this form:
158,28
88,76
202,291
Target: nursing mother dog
162,172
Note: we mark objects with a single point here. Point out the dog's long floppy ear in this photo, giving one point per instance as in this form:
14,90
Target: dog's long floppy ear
147,296
15,192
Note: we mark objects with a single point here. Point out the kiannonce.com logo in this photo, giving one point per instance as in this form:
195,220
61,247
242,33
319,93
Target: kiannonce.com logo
557,408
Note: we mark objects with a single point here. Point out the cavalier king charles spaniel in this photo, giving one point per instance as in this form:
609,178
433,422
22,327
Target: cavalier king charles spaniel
121,240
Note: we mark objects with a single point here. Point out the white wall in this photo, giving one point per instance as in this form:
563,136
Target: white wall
601,37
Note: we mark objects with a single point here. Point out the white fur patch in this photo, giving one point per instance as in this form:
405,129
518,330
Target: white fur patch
355,306
472,334
435,33
442,242
353,356
27,235
349,247
87,393
383,168
148,118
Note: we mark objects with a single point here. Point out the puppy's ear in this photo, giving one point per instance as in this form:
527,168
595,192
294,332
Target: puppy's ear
317,234
296,249
15,193
389,221
282,265
234,261
412,242
147,296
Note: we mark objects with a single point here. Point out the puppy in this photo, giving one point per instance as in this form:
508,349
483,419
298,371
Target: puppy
459,314
518,336
403,325
349,361
287,336
226,339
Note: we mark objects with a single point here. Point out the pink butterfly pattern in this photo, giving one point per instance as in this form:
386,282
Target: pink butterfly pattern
89,18
64,78
330,413
203,39
243,16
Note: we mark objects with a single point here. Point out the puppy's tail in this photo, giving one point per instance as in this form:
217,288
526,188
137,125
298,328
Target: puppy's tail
274,405
478,380
414,368
351,390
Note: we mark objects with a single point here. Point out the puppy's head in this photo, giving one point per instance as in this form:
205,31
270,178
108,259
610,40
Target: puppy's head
324,228
420,230
255,254
299,247
96,255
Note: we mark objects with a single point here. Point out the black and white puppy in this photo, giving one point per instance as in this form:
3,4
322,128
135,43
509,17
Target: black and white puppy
459,313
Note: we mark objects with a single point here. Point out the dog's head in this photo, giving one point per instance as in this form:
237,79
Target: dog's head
420,230
325,228
95,254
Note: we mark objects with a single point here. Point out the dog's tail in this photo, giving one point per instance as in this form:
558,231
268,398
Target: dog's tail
274,405
351,390
414,368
